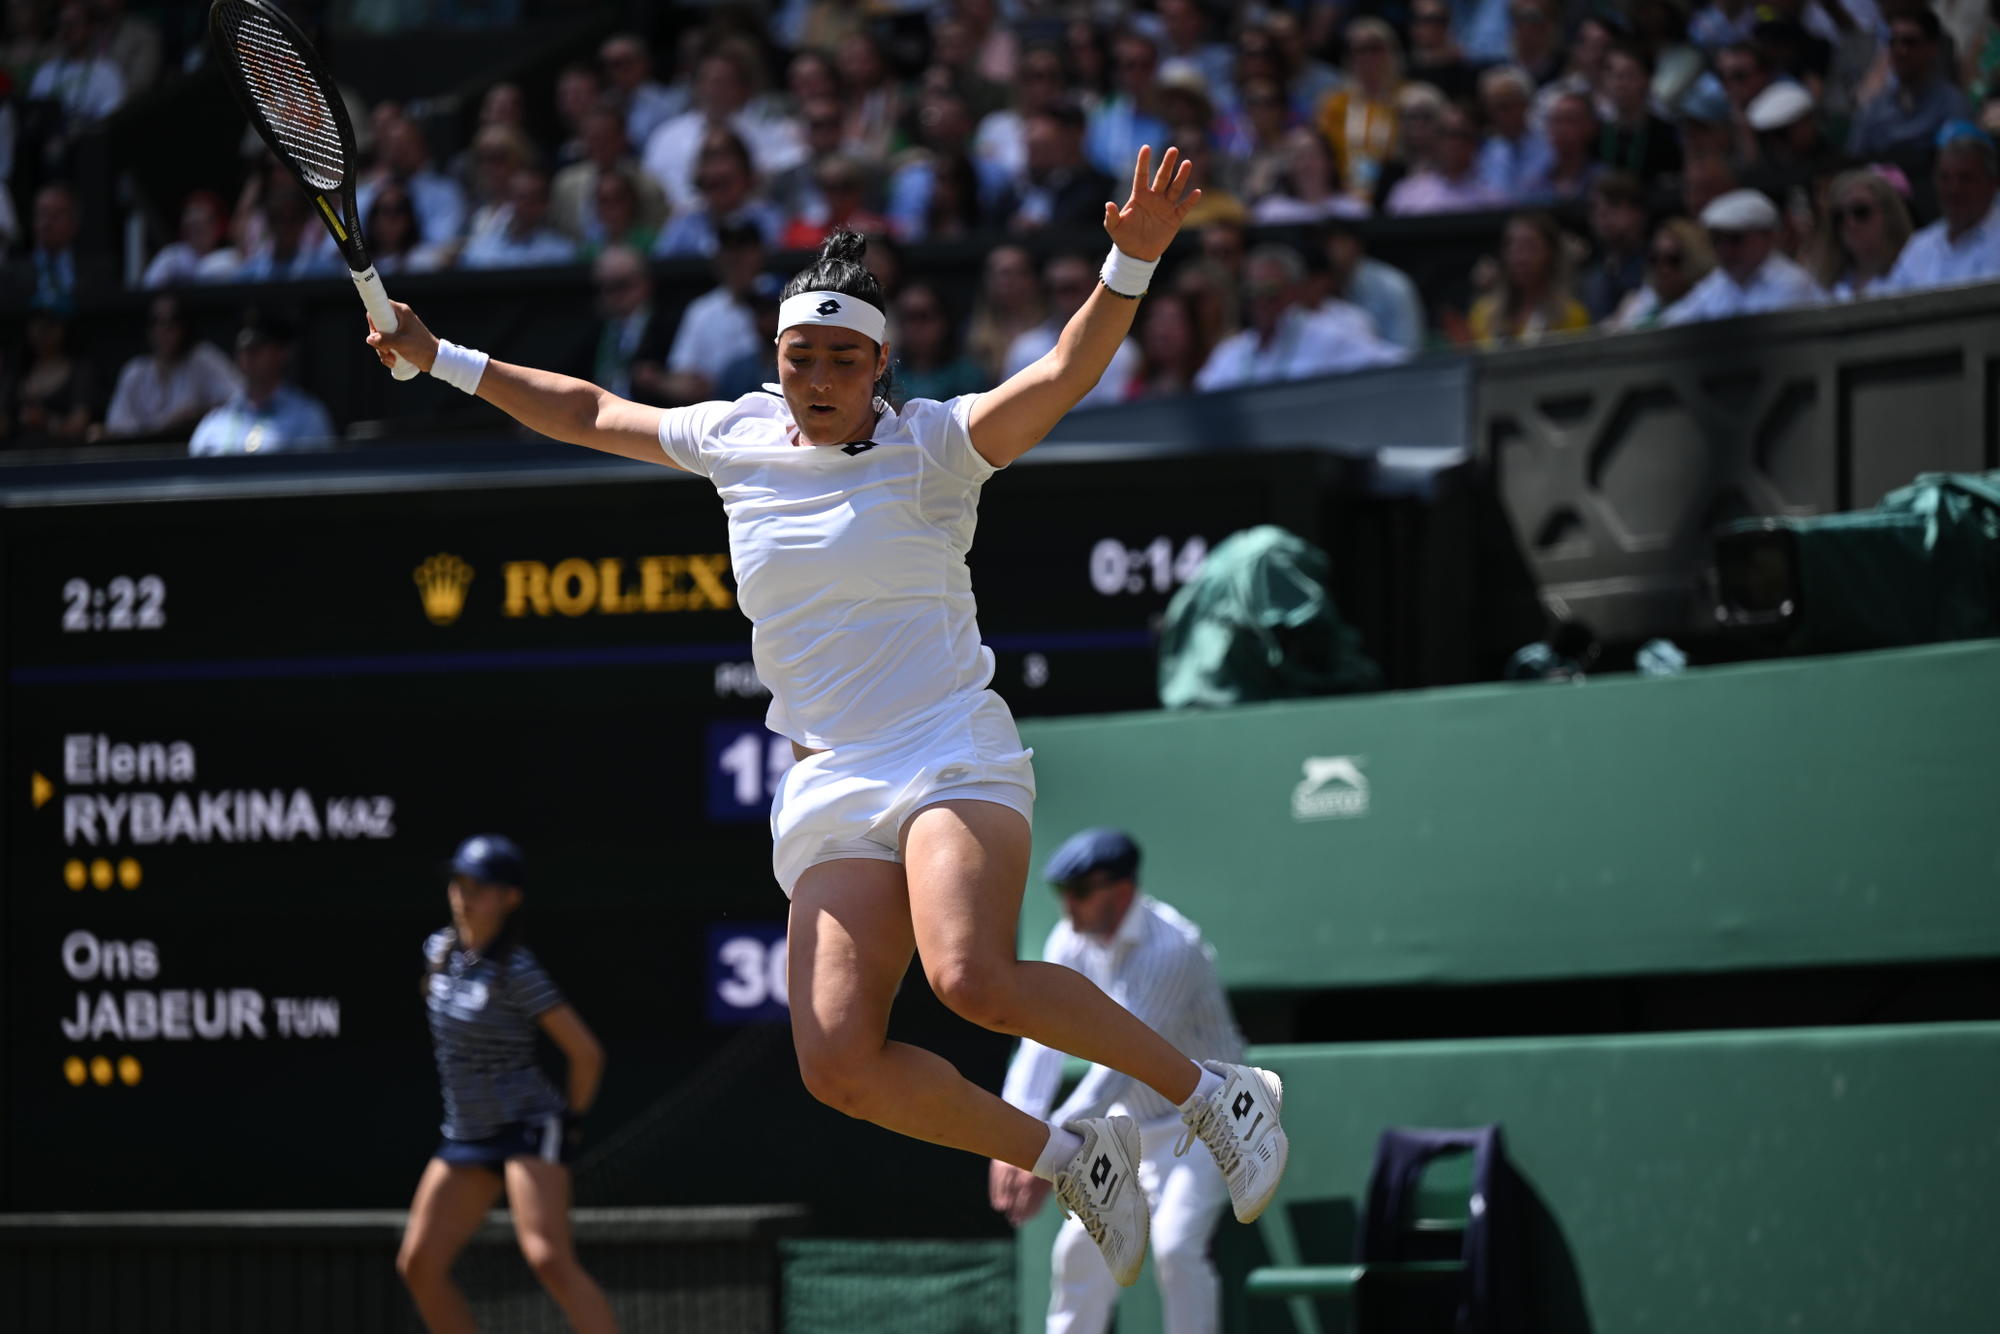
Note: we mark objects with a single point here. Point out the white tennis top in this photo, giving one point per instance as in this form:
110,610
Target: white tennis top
849,560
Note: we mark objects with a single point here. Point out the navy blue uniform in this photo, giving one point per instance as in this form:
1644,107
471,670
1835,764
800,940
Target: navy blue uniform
497,1102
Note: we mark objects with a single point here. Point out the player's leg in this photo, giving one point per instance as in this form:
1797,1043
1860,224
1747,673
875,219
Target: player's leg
850,945
1188,1195
538,1193
449,1206
967,865
1082,1293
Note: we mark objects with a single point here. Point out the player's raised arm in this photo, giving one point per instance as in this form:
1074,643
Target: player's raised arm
561,407
1011,420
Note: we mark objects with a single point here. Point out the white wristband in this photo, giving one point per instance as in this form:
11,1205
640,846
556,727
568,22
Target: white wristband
459,367
1127,276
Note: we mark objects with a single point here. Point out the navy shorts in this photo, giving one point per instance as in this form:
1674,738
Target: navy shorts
541,1138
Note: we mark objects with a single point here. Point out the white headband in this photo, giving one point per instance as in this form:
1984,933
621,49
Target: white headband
836,309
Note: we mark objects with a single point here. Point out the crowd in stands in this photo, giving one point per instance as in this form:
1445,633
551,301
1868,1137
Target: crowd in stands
1651,163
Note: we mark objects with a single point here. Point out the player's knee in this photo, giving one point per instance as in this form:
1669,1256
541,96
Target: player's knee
551,1265
835,1077
978,990
419,1267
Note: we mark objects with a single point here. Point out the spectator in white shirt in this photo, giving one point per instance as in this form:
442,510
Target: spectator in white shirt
172,386
719,325
724,82
1750,276
406,159
86,85
1514,161
199,255
1067,280
1286,341
1963,246
520,236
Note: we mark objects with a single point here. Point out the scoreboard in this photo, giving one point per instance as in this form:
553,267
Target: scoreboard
248,715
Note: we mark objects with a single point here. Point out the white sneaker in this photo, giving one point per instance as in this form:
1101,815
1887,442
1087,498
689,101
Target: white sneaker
1101,1187
1239,1124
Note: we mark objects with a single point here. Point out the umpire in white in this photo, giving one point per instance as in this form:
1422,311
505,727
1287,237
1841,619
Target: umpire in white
1154,962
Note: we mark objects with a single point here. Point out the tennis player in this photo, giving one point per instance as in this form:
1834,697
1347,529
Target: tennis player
905,823
505,1125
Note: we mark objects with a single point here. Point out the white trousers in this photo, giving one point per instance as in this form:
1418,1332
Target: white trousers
1187,1196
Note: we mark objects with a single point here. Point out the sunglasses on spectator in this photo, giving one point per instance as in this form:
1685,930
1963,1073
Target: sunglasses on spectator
1668,259
1737,74
619,284
1855,213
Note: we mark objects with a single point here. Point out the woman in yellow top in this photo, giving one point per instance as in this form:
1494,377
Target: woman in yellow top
1359,119
1536,296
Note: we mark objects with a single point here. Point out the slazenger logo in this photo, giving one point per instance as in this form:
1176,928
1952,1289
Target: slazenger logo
1334,788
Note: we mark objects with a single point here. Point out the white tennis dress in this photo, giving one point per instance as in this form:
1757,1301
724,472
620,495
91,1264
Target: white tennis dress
850,563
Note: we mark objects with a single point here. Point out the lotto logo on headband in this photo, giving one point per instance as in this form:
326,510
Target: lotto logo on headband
834,310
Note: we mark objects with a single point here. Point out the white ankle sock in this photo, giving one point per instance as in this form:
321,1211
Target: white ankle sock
1063,1145
1203,1091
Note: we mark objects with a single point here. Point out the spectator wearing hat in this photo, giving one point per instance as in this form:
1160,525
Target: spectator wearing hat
1963,246
174,383
1634,140
1155,962
1660,26
1451,183
1750,276
1383,292
1617,265
1515,159
1916,102
266,415
1792,150
1678,257
1866,226
719,325
1722,23
1707,120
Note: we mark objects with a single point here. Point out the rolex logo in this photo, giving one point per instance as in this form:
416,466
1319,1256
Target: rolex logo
441,583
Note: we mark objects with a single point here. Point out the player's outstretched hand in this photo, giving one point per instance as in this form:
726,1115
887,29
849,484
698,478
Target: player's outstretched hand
411,341
1160,200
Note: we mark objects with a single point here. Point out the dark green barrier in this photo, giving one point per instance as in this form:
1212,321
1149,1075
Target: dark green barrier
1739,1183
1837,810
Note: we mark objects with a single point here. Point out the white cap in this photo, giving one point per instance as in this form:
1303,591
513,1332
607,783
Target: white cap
1741,211
1778,106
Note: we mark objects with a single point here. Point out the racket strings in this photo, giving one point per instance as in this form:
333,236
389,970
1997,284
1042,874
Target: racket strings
290,98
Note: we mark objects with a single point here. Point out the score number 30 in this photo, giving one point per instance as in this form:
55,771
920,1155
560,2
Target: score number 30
122,604
1157,567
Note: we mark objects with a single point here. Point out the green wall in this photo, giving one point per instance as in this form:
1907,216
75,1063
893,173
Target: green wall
1838,1181
1816,811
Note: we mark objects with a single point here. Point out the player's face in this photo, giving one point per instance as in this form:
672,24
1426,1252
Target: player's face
828,376
479,908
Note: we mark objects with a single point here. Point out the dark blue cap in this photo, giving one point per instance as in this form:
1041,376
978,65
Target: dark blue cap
1104,849
492,858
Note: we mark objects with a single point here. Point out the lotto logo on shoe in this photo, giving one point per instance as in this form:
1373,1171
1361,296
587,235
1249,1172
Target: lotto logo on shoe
1100,1171
1244,1102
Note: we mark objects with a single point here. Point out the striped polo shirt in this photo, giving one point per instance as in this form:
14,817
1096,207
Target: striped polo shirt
482,1016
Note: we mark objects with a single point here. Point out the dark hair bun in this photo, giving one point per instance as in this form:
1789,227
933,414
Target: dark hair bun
845,245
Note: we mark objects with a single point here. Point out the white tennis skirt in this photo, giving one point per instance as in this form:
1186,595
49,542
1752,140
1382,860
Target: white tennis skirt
853,800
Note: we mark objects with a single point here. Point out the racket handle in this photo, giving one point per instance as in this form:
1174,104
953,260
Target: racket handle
369,284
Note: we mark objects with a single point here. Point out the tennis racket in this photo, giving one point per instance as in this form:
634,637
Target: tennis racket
288,94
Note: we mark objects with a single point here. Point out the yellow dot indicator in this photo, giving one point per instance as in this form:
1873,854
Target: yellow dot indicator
128,872
75,873
100,1069
128,1070
100,873
75,1071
